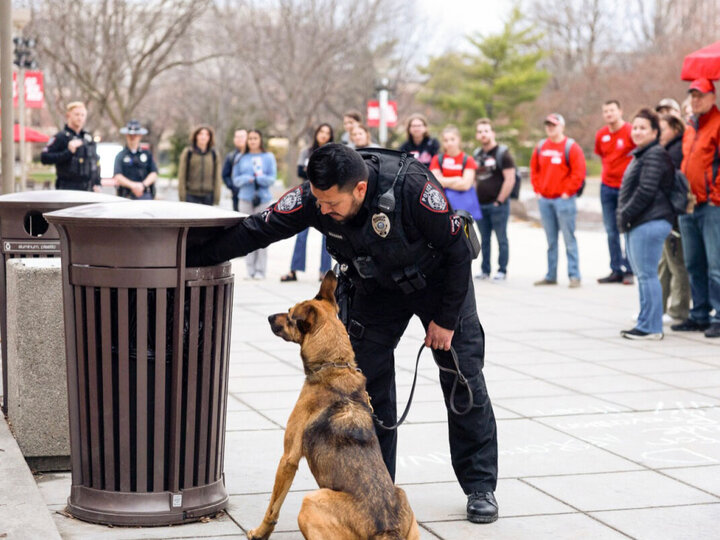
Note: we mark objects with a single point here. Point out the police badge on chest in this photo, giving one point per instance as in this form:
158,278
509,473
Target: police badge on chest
381,224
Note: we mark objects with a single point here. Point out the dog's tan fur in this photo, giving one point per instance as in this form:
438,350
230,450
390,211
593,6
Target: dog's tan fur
331,426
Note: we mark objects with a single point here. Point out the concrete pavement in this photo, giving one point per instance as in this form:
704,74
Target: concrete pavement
599,436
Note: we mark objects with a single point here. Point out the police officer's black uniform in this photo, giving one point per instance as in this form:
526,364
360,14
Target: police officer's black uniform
79,170
135,166
411,261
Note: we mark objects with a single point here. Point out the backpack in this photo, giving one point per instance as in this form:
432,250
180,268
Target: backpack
441,157
499,155
568,145
678,194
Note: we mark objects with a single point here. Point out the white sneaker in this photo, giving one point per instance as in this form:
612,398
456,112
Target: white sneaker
482,277
634,318
499,276
667,319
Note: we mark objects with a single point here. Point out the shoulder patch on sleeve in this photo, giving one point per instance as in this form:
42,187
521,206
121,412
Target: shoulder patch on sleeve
455,224
433,199
290,202
50,142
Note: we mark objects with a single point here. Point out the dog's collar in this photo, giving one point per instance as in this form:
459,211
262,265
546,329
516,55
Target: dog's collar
339,365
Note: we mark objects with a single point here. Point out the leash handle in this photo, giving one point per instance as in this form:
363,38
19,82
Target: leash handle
459,379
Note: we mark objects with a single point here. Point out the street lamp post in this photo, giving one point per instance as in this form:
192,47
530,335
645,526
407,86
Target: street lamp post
382,87
24,59
8,150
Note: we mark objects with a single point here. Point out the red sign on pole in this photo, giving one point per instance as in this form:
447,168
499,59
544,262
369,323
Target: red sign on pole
34,90
373,113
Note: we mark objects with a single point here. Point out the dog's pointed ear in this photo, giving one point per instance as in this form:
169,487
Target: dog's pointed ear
305,317
327,287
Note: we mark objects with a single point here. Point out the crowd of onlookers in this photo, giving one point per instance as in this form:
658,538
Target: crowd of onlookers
674,255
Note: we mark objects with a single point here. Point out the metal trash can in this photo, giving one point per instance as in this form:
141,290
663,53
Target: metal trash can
147,344
24,232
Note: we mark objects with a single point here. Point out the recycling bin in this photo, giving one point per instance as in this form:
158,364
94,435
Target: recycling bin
147,344
25,233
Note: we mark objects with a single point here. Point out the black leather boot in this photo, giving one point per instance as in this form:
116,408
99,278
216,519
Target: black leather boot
482,507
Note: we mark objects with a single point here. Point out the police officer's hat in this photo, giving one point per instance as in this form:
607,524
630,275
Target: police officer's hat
133,127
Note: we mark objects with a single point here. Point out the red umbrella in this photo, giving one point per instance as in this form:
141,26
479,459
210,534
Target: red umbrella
30,135
703,63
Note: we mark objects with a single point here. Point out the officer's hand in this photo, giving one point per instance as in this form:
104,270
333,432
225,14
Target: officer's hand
97,189
74,145
438,337
138,188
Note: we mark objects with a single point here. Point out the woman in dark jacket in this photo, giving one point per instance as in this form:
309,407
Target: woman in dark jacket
672,272
645,215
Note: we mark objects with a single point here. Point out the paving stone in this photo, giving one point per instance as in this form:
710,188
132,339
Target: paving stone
678,522
567,405
593,492
666,438
661,399
705,478
618,383
545,527
530,449
660,364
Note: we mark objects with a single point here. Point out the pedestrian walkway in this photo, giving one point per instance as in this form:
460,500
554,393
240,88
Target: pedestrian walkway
599,437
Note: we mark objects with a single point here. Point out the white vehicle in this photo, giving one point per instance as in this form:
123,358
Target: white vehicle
107,151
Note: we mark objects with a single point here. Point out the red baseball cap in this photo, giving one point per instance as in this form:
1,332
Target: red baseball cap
702,85
555,119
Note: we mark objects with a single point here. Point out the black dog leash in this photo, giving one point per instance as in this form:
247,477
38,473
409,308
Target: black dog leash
459,379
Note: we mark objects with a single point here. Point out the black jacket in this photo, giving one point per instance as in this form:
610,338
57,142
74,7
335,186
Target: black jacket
81,170
674,148
425,215
643,193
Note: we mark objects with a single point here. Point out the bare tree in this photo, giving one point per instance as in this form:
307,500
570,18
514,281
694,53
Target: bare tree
110,52
305,60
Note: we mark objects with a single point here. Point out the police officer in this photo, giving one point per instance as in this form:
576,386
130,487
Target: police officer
74,153
135,170
387,219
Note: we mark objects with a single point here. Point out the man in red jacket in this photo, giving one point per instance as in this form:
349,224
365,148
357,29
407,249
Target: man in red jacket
700,230
613,144
557,172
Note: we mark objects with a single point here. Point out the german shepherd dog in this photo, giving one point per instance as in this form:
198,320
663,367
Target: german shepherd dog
331,426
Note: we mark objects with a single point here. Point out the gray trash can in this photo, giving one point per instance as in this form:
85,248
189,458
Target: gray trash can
147,344
24,232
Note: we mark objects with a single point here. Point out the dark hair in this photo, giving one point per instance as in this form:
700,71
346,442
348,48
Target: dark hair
211,141
649,115
613,101
411,119
674,122
262,144
315,144
355,115
336,165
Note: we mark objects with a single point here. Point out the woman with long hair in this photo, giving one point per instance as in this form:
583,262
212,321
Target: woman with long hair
199,178
419,143
253,176
323,134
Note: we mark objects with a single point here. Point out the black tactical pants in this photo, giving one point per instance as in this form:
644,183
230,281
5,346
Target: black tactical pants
382,319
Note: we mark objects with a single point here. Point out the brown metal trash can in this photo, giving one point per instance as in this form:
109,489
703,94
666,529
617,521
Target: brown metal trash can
147,348
24,232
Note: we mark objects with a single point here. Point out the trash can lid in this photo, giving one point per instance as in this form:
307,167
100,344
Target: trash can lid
55,198
146,214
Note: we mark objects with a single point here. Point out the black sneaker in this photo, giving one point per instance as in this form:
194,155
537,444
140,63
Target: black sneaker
482,507
690,325
639,334
614,277
713,330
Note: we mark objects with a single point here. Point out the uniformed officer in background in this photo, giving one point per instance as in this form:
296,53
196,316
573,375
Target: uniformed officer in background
135,170
73,152
387,220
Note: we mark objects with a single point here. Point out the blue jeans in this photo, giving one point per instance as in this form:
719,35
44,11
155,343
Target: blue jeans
700,233
558,215
298,257
645,245
494,218
609,200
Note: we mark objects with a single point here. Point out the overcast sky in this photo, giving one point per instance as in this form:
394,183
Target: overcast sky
454,19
